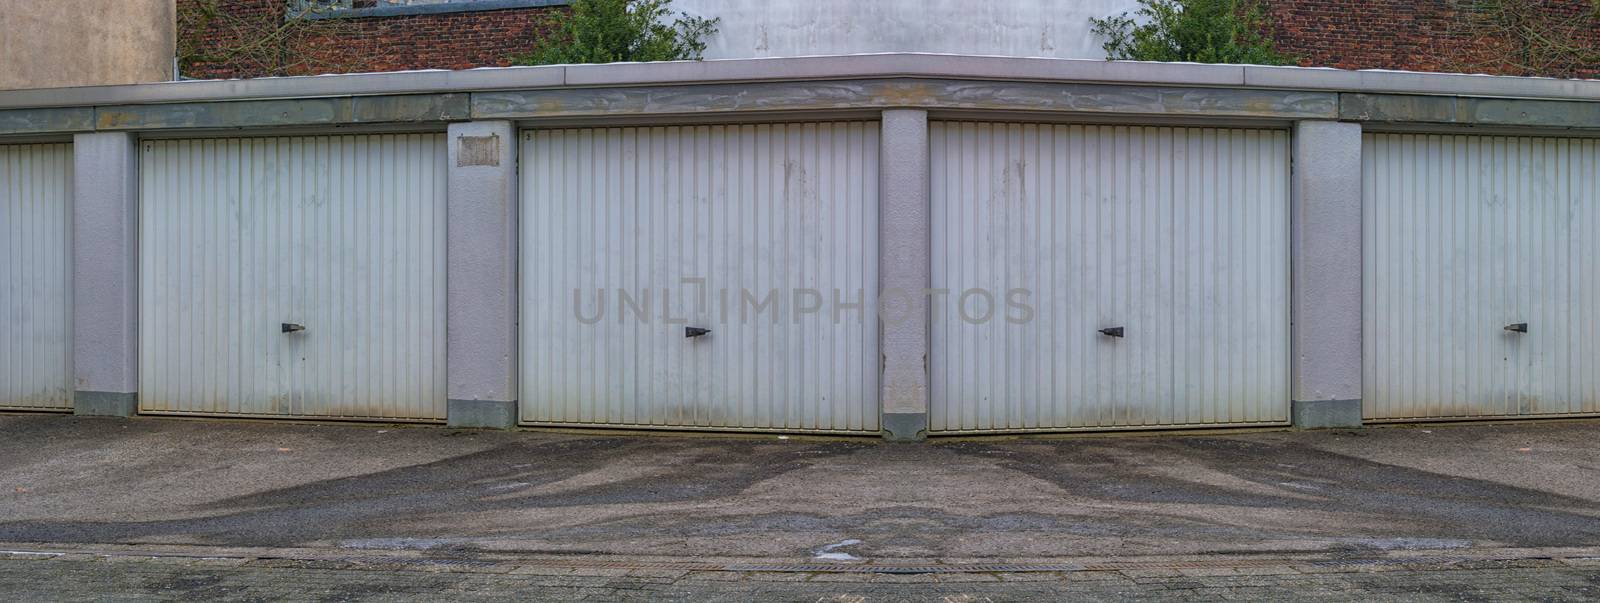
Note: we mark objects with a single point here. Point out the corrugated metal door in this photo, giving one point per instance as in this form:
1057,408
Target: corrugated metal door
632,235
1466,236
36,276
343,235
1179,236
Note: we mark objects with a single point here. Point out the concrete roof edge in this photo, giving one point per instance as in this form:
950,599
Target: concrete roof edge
1420,83
355,84
857,66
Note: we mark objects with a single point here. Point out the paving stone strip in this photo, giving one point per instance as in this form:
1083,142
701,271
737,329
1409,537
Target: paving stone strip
503,563
89,577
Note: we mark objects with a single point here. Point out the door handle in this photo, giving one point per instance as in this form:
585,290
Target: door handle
693,332
290,327
1113,332
1520,327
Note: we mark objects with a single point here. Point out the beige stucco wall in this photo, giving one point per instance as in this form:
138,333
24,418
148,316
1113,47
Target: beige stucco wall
47,44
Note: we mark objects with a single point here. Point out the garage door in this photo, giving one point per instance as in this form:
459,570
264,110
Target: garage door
1482,276
762,235
36,276
294,277
1108,277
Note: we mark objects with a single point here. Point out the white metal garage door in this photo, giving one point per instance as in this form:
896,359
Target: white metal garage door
764,234
36,276
1466,237
1178,236
244,238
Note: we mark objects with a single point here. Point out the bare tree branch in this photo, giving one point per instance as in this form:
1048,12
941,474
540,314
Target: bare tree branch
1524,37
258,43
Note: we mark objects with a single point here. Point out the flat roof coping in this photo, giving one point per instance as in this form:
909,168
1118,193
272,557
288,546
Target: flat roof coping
856,66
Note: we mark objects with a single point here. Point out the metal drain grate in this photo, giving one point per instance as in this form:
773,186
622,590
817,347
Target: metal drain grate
1114,566
455,562
898,569
1401,562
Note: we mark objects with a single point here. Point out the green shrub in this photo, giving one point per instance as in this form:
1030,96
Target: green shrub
610,31
1199,31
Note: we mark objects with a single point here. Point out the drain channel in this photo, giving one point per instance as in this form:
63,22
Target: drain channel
472,565
898,569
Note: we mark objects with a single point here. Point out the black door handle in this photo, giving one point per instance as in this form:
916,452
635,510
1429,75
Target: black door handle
692,332
290,327
1520,327
1113,332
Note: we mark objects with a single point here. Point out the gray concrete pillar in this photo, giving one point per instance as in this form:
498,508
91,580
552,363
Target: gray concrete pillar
481,344
904,273
1326,234
105,274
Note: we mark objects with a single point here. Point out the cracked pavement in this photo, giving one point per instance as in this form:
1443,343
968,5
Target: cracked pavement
370,489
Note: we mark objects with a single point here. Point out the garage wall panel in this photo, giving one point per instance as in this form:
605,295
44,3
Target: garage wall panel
36,276
1178,235
1465,235
341,234
748,209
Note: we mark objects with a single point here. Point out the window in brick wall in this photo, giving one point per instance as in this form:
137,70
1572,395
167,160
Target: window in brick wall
376,8
355,4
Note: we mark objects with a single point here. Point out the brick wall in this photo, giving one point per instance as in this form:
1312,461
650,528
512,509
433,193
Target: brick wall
1417,35
459,40
1421,35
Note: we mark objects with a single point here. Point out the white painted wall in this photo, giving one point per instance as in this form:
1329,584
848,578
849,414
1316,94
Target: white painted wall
1026,28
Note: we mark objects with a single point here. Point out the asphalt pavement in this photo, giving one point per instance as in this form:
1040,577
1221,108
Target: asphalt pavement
1506,493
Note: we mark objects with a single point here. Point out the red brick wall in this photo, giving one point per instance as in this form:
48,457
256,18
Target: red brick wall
1413,35
1417,35
460,40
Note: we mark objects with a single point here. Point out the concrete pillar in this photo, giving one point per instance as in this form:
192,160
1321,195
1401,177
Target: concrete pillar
105,274
481,344
1326,234
904,265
